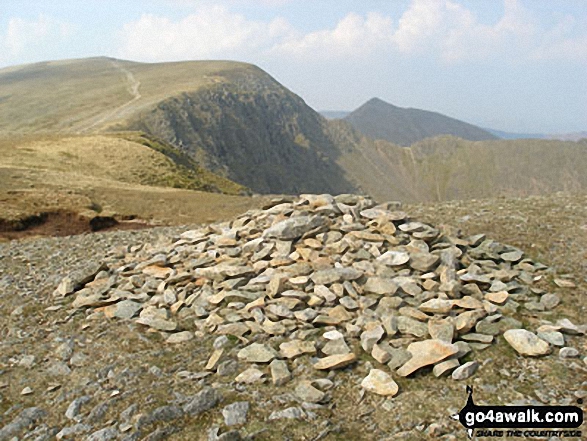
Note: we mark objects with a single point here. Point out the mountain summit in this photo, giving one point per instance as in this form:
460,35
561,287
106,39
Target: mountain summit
405,126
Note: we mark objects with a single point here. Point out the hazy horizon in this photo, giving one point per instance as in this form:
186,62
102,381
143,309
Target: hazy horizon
513,65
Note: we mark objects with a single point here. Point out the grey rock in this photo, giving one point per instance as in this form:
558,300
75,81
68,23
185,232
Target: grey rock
399,357
550,301
75,406
335,275
380,286
555,338
291,413
72,431
58,369
409,326
294,227
125,309
202,401
25,419
370,337
445,367
465,371
306,392
526,342
280,373
236,413
257,353
106,434
568,353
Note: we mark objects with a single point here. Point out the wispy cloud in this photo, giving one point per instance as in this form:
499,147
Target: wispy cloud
27,38
443,29
212,32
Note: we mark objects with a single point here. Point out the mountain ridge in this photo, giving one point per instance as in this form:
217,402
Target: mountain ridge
379,119
237,121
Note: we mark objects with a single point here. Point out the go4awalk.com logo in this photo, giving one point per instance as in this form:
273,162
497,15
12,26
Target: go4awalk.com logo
520,421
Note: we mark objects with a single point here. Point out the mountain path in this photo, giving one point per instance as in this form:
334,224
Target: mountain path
133,88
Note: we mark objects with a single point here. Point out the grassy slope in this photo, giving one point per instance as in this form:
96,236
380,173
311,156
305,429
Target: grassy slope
72,95
106,172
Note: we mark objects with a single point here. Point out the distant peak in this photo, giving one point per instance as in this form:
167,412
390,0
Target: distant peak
376,100
377,103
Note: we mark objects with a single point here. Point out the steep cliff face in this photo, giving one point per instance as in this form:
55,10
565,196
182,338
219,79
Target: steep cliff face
254,131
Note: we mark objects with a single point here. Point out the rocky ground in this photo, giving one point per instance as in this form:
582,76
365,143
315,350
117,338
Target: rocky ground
316,318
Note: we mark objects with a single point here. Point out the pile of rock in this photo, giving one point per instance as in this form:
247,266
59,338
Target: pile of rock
327,278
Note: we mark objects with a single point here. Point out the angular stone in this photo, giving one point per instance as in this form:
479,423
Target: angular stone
423,262
499,298
381,353
441,330
465,371
408,311
66,287
291,413
295,348
308,393
568,353
323,292
257,353
251,375
335,275
335,361
380,383
512,256
334,347
425,353
567,327
526,342
445,367
157,323
236,413
380,286
413,327
399,356
157,272
306,315
280,373
370,337
467,320
563,283
180,337
214,360
550,301
294,227
349,303
464,349
125,309
468,302
394,258
555,338
437,306
204,400
479,338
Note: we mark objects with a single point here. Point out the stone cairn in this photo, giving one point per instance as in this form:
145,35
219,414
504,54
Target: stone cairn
327,277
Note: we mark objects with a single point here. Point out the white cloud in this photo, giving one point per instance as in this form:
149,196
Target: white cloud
353,36
443,29
23,37
454,33
209,33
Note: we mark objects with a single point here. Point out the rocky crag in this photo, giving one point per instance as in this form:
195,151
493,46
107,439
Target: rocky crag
299,297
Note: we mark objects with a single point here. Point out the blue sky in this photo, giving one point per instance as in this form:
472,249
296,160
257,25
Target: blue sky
514,65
